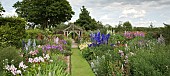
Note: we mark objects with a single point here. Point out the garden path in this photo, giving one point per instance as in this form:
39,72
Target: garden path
80,66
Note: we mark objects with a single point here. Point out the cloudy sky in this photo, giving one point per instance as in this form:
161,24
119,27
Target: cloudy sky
139,12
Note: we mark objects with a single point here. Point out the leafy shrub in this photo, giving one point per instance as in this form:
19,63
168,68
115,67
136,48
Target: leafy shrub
116,37
92,52
33,33
12,30
102,66
151,62
9,53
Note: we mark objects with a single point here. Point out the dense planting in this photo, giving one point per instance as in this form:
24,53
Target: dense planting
128,54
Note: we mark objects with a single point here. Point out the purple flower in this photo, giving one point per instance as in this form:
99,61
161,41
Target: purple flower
64,41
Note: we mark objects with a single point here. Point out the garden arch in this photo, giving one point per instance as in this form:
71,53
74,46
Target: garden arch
73,29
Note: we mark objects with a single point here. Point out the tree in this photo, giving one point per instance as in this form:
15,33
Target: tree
1,9
127,26
47,13
85,20
166,33
119,27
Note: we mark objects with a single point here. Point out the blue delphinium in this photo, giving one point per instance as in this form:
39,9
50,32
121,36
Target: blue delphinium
98,39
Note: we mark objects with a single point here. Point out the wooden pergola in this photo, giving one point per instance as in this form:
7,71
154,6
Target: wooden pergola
73,29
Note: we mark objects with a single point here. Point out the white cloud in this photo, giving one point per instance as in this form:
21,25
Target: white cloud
132,13
10,13
139,12
145,23
106,19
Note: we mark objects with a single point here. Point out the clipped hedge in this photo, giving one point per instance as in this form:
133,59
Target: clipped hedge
12,30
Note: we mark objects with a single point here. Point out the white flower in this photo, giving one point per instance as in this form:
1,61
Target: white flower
47,57
41,59
121,53
18,72
30,60
7,67
56,40
36,59
92,64
39,46
131,53
13,69
51,60
22,65
126,45
126,57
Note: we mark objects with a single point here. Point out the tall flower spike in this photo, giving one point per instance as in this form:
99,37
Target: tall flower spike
26,47
23,44
56,40
29,42
34,44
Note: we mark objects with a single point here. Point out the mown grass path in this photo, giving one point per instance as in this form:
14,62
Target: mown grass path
80,66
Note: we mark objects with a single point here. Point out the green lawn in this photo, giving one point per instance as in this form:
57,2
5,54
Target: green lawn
80,66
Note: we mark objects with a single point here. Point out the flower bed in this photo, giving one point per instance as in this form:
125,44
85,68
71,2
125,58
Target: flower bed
132,55
47,60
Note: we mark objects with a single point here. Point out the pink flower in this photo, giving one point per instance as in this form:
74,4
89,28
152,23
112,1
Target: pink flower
33,52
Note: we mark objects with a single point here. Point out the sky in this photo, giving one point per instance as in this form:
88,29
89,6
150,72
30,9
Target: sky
140,13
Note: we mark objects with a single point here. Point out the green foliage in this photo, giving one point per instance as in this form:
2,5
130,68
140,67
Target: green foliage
166,33
9,54
12,30
117,37
1,9
67,51
151,62
33,33
127,26
85,20
44,12
101,66
54,67
92,52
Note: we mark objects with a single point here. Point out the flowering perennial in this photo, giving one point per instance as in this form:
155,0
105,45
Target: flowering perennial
13,69
130,35
98,39
49,47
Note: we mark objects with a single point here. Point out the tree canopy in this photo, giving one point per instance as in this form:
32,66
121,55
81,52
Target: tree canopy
47,13
1,9
86,21
127,26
